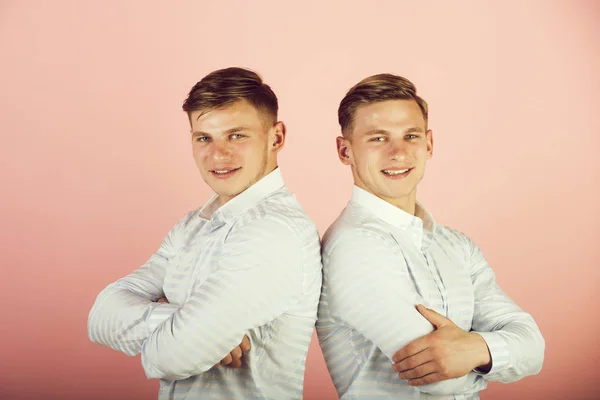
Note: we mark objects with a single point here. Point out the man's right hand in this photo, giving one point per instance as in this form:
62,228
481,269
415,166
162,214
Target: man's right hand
234,358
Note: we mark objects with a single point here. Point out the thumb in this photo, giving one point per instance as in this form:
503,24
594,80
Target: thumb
436,319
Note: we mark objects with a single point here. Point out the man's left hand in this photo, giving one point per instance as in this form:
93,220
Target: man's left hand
447,352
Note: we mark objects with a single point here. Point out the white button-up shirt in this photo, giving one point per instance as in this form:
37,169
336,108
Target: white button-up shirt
379,262
251,266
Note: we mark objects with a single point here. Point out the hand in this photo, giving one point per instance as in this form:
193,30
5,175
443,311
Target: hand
447,352
162,300
234,358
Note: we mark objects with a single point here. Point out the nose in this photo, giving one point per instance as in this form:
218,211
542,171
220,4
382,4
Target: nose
397,149
221,151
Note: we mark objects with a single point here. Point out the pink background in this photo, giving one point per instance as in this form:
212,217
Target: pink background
96,163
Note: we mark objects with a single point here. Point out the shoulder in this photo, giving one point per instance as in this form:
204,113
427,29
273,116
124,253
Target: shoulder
354,231
450,235
186,222
450,238
274,221
265,238
281,214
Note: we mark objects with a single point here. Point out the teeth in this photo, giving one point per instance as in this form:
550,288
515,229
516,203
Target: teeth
223,171
396,172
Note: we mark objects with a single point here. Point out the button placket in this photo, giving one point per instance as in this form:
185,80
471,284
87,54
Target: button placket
438,281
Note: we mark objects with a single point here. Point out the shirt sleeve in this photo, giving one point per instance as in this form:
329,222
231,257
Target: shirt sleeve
258,277
125,312
370,290
514,340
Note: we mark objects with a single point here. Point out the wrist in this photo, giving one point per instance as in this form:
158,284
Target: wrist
484,357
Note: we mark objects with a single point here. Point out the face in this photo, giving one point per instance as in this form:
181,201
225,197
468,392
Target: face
387,150
234,147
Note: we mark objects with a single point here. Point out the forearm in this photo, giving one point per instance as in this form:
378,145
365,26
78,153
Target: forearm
516,349
206,328
393,326
125,312
515,342
172,354
466,384
120,318
210,324
391,333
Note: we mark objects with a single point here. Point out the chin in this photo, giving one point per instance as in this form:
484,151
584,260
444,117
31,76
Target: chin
228,193
396,194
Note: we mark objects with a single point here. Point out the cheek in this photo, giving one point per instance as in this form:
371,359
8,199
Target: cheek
421,153
373,157
247,150
199,153
360,156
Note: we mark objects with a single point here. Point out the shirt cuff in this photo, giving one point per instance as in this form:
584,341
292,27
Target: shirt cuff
498,352
160,313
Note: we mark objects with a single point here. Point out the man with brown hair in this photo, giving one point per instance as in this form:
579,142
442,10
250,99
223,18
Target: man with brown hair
242,271
409,309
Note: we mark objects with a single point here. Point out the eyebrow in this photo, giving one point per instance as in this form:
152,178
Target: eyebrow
227,132
414,129
376,132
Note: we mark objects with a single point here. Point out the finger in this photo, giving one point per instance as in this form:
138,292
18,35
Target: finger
414,347
418,372
236,353
236,362
162,300
427,379
236,357
437,320
245,345
227,359
413,361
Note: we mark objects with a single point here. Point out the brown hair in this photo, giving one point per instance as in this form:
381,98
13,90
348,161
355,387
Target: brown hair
224,87
376,88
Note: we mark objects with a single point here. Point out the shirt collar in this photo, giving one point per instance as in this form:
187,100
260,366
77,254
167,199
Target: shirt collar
243,201
392,214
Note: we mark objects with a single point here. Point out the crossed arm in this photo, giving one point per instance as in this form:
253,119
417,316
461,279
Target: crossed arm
426,348
126,311
262,267
379,300
504,345
234,358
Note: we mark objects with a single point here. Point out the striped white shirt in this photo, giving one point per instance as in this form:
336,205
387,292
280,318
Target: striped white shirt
379,262
252,267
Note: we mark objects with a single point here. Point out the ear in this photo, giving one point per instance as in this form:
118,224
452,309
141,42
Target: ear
277,137
344,150
429,136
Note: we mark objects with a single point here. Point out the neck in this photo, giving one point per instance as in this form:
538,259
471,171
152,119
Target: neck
268,169
224,199
407,204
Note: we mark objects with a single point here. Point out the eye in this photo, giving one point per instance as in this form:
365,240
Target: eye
236,136
377,139
203,139
411,136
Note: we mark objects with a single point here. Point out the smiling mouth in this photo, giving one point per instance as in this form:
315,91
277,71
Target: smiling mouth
396,173
224,173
